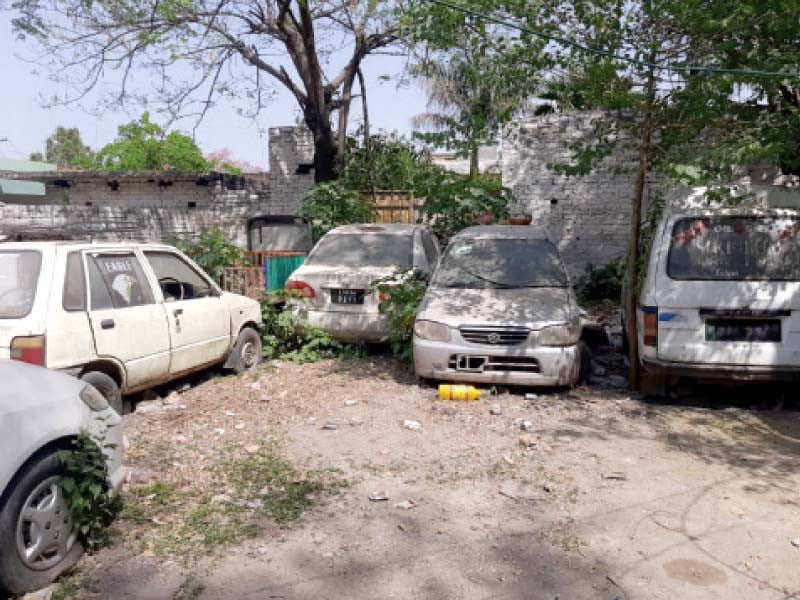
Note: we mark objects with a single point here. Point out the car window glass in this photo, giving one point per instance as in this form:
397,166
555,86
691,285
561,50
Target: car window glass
74,296
123,279
363,250
19,272
177,278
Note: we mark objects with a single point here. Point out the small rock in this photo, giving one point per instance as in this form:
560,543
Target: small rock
495,409
380,496
230,413
180,439
526,426
221,499
328,555
149,407
312,420
412,425
355,422
330,426
252,448
43,594
350,402
528,441
173,398
508,459
406,504
254,386
184,388
796,542
174,406
240,425
531,396
254,504
618,475
264,398
219,431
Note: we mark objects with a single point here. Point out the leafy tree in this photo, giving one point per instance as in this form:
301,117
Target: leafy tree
143,146
331,204
65,148
229,48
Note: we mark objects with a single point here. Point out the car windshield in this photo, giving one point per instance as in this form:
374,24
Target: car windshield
500,263
19,272
728,248
363,250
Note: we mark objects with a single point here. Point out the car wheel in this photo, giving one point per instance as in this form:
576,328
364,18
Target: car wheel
106,385
247,352
585,368
38,540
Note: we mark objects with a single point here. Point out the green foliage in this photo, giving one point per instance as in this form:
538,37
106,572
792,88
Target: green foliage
453,202
602,283
287,334
85,487
404,292
212,251
144,146
389,162
333,203
66,149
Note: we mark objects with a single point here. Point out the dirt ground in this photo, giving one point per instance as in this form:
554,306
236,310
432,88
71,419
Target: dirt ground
591,493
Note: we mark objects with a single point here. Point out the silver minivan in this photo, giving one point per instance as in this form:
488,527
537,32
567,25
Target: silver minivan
721,298
500,309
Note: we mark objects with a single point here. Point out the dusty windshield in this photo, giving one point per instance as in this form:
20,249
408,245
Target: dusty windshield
735,248
500,263
19,272
363,250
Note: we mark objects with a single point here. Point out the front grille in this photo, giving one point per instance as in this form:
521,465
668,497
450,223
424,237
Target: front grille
495,336
482,364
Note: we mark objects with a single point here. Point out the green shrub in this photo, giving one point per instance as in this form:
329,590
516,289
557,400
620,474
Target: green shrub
602,283
287,335
212,251
85,487
331,204
403,293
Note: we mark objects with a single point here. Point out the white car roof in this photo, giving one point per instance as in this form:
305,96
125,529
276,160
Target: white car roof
84,245
747,197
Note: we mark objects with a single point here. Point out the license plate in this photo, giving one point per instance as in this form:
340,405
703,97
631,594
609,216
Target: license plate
743,330
347,296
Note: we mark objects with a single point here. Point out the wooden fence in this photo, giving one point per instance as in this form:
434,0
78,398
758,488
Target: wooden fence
393,207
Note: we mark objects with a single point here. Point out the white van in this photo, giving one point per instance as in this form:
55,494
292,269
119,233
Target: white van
721,299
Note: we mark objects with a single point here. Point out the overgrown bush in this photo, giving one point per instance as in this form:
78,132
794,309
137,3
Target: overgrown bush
212,251
454,202
403,293
287,334
331,204
85,487
602,283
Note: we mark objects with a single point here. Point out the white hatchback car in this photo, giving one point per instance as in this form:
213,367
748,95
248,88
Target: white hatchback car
41,413
500,309
121,316
339,274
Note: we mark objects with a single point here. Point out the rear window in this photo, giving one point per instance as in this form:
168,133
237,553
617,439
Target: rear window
728,248
500,263
363,250
19,272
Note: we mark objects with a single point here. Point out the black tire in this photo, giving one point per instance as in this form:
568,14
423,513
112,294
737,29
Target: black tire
16,575
247,352
106,385
585,369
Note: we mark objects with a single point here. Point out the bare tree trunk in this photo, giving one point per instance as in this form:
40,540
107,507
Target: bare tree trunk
367,140
474,158
631,274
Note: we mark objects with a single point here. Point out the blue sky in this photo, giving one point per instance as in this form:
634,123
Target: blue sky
26,124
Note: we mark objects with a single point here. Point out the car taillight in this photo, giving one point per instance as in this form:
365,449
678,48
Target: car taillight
28,349
306,291
650,325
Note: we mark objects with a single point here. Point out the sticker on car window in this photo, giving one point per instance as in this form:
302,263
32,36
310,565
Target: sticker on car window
116,265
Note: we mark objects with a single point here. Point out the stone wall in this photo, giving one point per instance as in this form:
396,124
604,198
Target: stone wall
588,216
165,206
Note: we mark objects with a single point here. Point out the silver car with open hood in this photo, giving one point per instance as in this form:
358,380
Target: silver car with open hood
500,310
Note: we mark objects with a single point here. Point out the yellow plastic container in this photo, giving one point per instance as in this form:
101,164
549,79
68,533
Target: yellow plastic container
458,392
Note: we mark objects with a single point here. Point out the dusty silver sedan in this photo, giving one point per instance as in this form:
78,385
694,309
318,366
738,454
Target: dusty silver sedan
500,309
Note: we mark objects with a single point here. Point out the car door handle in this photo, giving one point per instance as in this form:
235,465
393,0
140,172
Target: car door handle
107,324
177,312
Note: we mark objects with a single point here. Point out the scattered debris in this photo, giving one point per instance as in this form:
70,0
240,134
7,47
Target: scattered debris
495,409
412,425
530,396
619,475
184,388
219,431
252,448
149,407
221,499
240,425
796,542
350,402
526,426
406,504
230,413
518,491
355,422
43,594
528,441
330,426
381,496
508,459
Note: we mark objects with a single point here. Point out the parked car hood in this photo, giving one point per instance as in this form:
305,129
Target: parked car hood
524,307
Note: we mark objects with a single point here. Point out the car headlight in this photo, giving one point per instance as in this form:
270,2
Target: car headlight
560,335
431,330
93,399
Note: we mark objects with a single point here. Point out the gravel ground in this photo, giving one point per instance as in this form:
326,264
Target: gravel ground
259,487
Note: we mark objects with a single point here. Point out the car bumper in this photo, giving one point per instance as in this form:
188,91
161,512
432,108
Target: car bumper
350,327
705,371
534,366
